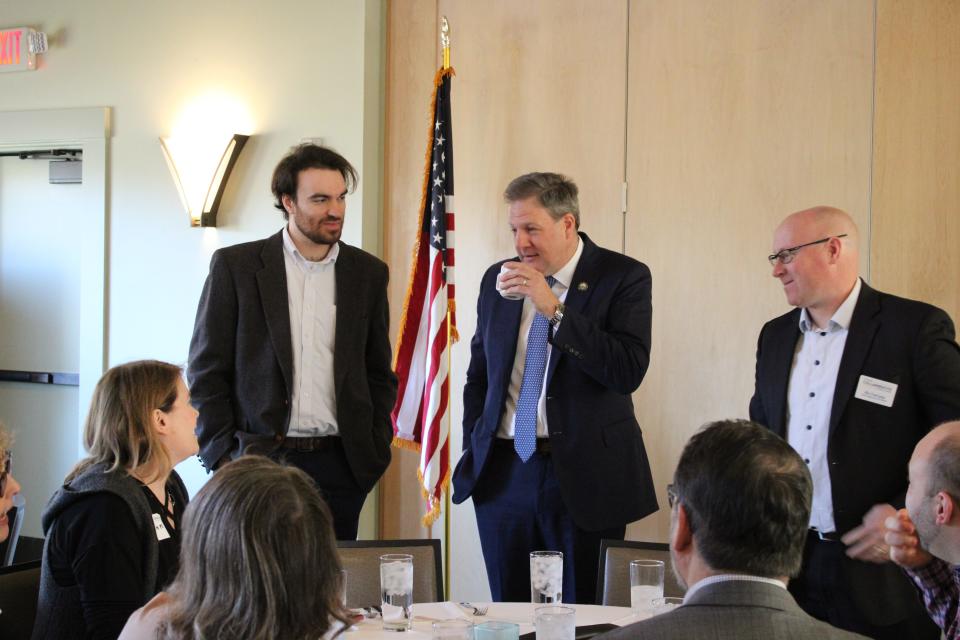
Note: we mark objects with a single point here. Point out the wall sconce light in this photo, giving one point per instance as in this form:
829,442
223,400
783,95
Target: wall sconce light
200,169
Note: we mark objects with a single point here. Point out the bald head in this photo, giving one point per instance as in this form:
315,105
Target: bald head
819,267
939,453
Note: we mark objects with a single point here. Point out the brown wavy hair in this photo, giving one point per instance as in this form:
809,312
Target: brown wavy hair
258,558
118,432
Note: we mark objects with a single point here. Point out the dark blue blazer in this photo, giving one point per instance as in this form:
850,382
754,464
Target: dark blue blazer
600,354
909,343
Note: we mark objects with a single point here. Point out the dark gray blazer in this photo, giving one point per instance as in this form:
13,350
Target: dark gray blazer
241,357
737,610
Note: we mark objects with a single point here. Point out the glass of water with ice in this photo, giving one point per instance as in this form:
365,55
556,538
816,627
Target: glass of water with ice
396,591
546,577
646,585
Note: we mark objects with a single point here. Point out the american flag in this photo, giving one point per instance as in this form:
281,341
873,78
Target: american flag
428,324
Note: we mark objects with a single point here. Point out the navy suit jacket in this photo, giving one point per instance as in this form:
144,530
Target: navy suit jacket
241,356
902,341
599,356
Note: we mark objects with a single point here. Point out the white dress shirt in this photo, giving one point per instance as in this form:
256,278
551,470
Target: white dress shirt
813,379
729,577
311,293
563,278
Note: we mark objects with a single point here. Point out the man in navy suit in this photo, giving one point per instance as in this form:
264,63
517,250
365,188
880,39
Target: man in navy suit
552,452
853,378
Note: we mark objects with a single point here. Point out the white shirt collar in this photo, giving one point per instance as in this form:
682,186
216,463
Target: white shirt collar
729,577
841,317
565,275
291,248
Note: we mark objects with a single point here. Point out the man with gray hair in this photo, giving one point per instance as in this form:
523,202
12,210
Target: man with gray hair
552,452
924,537
739,507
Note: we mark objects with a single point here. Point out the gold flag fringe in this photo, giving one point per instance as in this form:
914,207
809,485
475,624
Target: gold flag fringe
434,511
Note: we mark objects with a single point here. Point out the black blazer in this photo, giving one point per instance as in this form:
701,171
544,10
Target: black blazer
906,342
599,357
241,357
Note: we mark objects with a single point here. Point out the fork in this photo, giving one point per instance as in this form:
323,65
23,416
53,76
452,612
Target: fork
477,611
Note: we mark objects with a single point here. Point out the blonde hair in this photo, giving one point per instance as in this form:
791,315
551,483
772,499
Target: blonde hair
6,439
119,429
258,558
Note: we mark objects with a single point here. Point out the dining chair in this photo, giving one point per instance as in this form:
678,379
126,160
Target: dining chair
19,588
361,559
613,576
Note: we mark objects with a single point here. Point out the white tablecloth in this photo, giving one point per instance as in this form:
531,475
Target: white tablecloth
424,614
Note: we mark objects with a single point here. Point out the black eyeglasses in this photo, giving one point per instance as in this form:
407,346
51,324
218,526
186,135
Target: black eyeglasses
786,255
5,472
671,495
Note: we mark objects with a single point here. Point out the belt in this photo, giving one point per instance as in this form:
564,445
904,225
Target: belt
320,443
543,444
833,536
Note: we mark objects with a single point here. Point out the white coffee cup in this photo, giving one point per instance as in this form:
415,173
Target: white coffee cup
509,295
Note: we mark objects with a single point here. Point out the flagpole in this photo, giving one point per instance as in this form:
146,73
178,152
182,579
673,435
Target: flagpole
445,44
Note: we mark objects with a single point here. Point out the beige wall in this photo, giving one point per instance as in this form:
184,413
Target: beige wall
723,116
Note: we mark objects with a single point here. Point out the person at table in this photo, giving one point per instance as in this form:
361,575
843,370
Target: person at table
113,529
552,453
924,537
9,487
739,507
259,562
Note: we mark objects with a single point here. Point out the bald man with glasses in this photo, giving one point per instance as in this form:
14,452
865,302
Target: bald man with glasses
852,378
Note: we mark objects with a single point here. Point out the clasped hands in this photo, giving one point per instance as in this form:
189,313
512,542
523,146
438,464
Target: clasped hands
886,534
524,280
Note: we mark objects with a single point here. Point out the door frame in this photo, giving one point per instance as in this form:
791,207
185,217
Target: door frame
87,129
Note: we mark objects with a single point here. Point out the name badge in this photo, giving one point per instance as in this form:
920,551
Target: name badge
876,391
161,531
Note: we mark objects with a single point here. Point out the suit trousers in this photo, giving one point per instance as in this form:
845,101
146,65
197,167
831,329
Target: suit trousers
330,470
520,509
822,590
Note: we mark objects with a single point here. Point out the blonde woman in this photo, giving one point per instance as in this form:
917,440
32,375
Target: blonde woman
8,484
113,529
259,562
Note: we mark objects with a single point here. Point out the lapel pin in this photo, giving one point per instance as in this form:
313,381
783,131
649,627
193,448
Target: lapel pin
583,286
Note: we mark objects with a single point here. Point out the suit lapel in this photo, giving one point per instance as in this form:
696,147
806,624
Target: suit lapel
863,328
272,283
587,273
783,346
349,311
505,326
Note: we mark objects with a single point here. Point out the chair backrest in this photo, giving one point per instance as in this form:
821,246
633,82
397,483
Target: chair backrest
19,588
15,517
361,559
613,578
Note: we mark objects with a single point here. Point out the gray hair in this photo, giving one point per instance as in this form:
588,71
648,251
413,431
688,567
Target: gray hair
555,192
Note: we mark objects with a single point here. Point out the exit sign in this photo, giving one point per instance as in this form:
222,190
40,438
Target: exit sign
19,48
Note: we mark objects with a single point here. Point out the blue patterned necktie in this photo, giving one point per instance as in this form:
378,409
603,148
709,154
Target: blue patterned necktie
535,363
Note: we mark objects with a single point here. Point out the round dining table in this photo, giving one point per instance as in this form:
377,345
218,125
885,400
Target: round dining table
521,613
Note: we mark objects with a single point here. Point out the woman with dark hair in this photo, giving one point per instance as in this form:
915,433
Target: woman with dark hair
259,562
8,484
113,529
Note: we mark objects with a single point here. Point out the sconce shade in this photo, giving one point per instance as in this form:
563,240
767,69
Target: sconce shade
200,184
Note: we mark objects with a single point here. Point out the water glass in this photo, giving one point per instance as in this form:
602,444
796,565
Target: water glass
646,584
496,630
396,591
452,630
546,577
555,623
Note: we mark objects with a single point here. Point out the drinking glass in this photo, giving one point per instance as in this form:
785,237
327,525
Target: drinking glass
555,623
546,577
396,591
646,584
496,630
453,630
665,605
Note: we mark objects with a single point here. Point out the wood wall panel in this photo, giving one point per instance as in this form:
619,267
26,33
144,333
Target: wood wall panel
915,250
412,60
741,111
